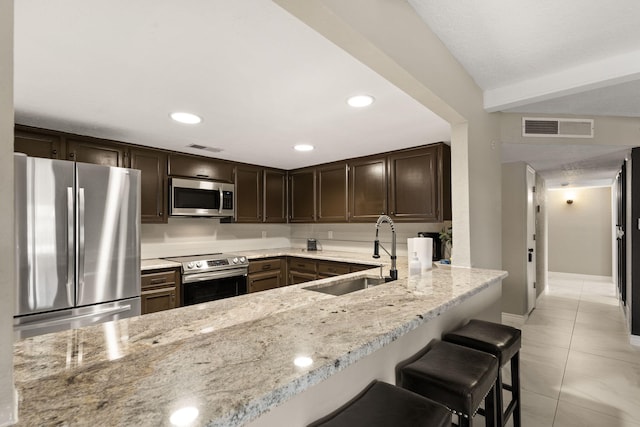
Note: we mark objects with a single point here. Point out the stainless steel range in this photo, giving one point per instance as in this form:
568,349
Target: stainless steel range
211,277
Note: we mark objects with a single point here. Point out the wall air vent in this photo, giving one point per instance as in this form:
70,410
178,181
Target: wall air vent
205,148
557,128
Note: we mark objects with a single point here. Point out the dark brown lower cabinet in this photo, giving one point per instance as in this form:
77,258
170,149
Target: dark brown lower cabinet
301,270
158,300
160,290
331,269
265,274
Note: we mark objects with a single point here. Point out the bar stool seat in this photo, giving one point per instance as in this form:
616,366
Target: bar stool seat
458,377
504,342
382,405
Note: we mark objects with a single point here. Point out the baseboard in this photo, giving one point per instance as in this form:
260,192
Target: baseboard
513,319
576,276
634,340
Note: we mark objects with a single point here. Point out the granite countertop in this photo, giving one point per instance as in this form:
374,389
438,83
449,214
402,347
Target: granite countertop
231,359
159,263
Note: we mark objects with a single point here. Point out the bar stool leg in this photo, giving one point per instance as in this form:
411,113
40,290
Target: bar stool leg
515,386
490,406
499,400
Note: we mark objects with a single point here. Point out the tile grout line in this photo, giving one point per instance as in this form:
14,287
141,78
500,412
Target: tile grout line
566,362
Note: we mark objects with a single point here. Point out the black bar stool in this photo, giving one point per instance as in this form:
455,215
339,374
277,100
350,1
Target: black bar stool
457,377
383,405
504,342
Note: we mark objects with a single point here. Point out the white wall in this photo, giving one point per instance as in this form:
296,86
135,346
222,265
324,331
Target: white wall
8,408
514,238
191,236
580,234
359,237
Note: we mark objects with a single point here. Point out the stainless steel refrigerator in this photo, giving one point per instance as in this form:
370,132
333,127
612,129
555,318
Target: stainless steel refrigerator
77,244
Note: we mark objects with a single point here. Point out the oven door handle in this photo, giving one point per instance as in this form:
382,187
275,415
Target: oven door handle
202,277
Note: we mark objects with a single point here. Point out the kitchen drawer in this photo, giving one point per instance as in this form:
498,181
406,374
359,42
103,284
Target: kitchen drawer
296,277
265,265
158,279
328,268
264,281
303,264
158,300
361,267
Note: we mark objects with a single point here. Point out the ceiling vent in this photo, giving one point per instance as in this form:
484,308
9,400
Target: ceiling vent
557,128
205,148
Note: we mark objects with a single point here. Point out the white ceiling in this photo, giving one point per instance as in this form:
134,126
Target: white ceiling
263,81
578,57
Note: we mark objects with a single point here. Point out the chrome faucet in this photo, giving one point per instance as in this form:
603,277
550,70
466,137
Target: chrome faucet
376,245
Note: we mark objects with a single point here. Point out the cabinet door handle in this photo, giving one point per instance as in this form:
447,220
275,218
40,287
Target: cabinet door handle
266,267
202,176
158,281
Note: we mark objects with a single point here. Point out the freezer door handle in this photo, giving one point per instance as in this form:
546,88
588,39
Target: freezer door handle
80,243
70,248
65,320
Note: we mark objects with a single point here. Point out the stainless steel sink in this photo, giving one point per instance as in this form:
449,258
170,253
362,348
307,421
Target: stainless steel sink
342,288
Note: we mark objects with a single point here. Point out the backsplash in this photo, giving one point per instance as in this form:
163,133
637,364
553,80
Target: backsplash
192,236
358,237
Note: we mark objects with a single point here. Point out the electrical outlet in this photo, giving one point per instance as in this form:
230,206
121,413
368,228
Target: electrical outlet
264,234
330,235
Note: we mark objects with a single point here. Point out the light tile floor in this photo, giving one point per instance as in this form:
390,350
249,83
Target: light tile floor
577,366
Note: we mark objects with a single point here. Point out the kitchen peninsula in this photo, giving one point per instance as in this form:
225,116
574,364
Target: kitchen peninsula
231,362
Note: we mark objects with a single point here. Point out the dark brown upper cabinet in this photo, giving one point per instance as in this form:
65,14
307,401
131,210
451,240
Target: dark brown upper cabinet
248,194
38,143
98,152
302,195
417,184
332,191
367,188
275,196
200,167
153,183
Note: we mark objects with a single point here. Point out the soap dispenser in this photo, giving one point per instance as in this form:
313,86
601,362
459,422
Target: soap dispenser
415,267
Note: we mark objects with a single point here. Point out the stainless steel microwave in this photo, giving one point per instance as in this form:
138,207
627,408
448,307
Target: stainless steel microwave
200,198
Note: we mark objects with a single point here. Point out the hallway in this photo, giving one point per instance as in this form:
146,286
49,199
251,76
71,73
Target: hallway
577,366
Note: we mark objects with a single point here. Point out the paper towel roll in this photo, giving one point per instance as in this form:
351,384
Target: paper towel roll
423,246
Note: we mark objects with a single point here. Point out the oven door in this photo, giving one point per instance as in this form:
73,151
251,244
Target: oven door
204,287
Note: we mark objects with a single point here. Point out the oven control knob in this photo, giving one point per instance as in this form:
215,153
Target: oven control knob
235,260
198,264
243,259
190,265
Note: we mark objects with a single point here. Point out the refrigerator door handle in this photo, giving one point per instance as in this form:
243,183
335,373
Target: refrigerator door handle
65,320
81,212
70,248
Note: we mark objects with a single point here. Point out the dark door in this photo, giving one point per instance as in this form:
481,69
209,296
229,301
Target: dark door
153,184
368,184
248,194
37,144
621,230
332,193
275,196
97,152
302,195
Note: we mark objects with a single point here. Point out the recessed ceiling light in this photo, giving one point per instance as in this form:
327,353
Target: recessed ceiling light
360,101
188,118
303,147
